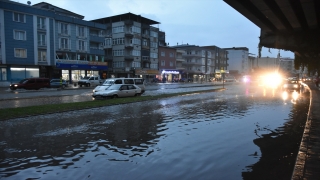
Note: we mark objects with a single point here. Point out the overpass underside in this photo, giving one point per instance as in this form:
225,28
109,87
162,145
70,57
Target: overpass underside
291,25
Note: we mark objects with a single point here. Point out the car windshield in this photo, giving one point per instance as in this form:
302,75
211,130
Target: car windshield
86,77
108,82
113,87
23,81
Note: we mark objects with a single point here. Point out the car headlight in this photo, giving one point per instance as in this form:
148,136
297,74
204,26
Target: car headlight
16,85
295,86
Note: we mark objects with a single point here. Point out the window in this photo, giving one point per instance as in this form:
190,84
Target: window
63,28
171,63
18,17
136,29
42,56
19,35
171,54
20,53
153,34
153,44
118,41
153,55
145,42
136,53
41,39
136,64
118,64
163,63
154,66
118,29
117,52
107,41
136,41
163,53
64,43
82,45
41,23
81,31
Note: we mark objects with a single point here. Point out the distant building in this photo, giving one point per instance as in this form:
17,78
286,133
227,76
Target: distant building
167,64
201,62
238,60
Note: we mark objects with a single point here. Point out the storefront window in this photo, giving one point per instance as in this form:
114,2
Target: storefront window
19,73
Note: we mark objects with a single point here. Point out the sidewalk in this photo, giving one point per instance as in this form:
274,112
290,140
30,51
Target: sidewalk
308,160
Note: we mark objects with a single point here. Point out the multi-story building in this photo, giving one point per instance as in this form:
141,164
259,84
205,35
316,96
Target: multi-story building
238,61
219,63
47,41
195,62
167,64
131,47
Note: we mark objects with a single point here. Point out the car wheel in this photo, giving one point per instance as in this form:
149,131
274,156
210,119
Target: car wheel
115,96
63,86
80,85
138,94
88,85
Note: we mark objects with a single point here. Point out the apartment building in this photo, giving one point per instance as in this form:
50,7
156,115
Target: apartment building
219,64
238,60
131,48
43,40
167,64
200,62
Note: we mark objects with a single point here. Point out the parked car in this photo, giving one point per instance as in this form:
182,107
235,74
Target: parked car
108,82
31,83
90,81
291,85
58,83
118,90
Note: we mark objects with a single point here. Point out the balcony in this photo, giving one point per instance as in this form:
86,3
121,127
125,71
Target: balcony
129,46
107,46
128,34
146,36
180,59
41,27
96,38
97,50
191,55
42,44
128,22
128,57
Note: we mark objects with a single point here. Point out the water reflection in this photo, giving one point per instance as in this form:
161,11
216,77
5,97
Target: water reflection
201,136
279,147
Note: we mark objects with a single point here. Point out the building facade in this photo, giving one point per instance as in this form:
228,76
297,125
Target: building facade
167,64
47,41
131,48
238,60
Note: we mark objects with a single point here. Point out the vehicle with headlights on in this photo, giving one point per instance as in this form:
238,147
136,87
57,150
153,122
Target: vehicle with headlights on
291,85
118,90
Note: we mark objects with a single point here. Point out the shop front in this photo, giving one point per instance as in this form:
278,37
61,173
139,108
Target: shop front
147,74
170,75
73,71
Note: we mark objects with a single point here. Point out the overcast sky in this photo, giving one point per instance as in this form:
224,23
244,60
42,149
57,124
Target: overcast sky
196,22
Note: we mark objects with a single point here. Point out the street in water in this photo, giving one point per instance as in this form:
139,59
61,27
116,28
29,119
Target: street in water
243,132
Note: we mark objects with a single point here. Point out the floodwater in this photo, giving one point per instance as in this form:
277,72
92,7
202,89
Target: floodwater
239,133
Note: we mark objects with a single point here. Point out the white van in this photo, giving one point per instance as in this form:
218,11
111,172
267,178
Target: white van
137,81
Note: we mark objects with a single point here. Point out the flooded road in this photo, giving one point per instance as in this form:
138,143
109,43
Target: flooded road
240,133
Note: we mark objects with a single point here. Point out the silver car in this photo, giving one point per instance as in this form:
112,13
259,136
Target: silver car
117,90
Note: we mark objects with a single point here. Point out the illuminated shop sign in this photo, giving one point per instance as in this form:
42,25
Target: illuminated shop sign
80,66
170,72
